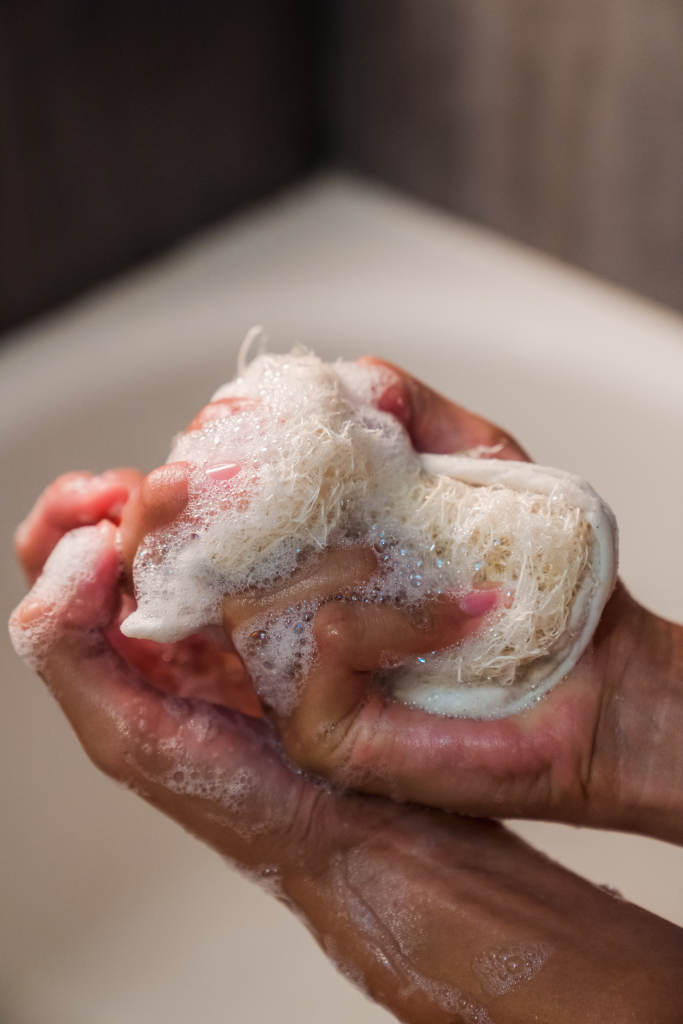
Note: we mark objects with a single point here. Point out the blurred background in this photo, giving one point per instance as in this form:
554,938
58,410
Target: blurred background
489,192
124,127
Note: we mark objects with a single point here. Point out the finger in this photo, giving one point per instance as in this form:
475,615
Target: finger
202,666
220,409
354,642
161,497
214,771
331,574
536,763
74,499
436,424
199,666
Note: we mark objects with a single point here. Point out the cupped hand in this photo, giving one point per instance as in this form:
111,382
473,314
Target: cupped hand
439,918
600,749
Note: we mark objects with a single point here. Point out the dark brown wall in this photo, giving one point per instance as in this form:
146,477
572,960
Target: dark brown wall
559,122
125,125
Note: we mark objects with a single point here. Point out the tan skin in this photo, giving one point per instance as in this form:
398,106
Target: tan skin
381,884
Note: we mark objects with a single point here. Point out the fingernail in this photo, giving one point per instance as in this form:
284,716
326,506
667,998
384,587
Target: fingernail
395,401
478,602
224,472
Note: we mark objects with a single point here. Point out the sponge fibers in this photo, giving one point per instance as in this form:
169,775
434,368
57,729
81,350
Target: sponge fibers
319,466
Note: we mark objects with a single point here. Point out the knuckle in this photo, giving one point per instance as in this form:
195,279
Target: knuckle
150,486
334,628
66,480
333,752
310,754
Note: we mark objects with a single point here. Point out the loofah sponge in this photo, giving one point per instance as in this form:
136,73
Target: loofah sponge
312,463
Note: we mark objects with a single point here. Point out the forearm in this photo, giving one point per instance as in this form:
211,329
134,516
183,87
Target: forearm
637,782
460,922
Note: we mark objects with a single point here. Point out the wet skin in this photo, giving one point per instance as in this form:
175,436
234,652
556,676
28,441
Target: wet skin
602,749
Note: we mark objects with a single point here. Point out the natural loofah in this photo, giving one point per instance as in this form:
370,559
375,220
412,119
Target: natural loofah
319,466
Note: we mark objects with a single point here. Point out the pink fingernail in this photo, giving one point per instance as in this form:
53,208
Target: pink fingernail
394,400
478,602
224,472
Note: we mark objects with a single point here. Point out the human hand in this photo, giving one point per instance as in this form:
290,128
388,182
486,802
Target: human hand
441,919
602,748
202,666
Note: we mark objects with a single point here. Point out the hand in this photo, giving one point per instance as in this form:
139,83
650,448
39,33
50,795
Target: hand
601,749
441,919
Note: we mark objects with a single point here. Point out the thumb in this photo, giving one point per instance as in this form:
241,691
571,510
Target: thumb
354,642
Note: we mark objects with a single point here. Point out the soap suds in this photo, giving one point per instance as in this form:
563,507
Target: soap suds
279,650
71,564
321,466
233,791
502,970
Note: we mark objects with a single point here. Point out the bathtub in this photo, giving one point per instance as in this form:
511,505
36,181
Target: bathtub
110,912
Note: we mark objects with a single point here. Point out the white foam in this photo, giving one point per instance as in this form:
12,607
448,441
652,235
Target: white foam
279,651
321,466
71,564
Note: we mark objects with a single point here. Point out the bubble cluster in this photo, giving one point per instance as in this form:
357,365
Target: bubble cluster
279,651
232,791
502,970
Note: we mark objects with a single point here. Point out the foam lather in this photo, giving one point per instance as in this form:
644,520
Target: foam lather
312,463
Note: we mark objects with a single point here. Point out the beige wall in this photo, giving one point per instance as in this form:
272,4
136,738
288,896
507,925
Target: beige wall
559,122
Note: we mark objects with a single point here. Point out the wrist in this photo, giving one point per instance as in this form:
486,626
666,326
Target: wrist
637,782
418,909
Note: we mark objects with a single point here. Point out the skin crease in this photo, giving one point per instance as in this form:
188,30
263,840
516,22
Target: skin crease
602,757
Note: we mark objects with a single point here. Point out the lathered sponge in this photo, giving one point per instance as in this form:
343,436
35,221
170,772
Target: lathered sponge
312,463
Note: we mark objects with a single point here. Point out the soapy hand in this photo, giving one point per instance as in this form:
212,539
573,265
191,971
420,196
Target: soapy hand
601,748
590,752
441,919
